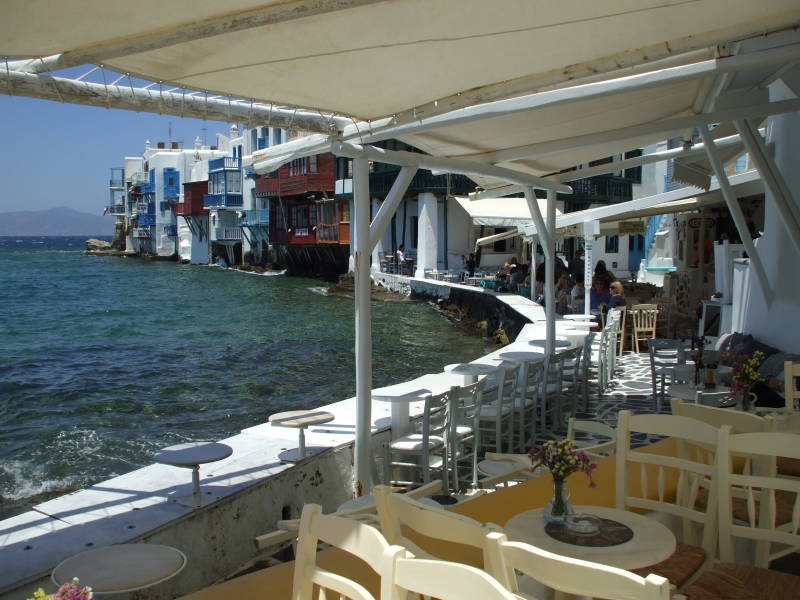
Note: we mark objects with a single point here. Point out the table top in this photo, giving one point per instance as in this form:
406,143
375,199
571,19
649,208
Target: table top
301,418
652,541
579,325
686,391
193,453
473,368
410,396
122,567
559,342
523,355
417,389
578,317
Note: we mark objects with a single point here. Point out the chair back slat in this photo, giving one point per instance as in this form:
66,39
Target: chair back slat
394,509
443,580
691,475
568,575
772,502
353,537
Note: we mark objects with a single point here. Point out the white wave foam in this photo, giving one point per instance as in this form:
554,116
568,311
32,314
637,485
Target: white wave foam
28,479
322,291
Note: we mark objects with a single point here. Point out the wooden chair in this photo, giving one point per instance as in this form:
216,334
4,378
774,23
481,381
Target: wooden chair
358,539
429,447
437,579
568,575
497,417
464,437
429,521
762,524
791,389
644,318
623,331
694,471
595,449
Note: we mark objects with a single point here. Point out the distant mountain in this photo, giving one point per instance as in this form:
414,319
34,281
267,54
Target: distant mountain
55,221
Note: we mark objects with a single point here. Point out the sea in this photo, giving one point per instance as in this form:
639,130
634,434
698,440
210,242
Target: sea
105,360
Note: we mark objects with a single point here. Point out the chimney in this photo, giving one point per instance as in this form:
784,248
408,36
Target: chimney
160,145
174,145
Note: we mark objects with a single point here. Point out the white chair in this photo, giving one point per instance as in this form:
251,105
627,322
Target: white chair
551,393
529,386
663,358
791,390
585,367
695,473
428,448
568,575
497,416
429,521
765,524
437,579
593,448
358,539
463,438
570,375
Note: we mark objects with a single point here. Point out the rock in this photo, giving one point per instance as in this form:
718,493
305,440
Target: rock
95,245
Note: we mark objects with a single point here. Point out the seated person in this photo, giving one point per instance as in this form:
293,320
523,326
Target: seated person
599,294
617,297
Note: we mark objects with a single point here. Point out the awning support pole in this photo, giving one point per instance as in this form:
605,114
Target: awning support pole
588,260
773,179
363,327
390,204
736,213
549,275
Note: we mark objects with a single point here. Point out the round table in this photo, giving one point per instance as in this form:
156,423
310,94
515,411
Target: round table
586,325
652,541
579,317
559,342
190,456
522,355
300,419
472,370
121,568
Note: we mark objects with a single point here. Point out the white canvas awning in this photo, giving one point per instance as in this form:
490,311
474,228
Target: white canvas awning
503,212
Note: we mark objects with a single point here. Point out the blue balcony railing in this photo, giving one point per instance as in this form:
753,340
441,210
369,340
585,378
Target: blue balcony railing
255,218
223,200
226,163
171,230
147,188
146,220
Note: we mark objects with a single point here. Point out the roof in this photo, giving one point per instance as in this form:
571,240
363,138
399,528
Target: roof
507,212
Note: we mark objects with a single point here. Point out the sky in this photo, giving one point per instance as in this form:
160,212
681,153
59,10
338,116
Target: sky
56,154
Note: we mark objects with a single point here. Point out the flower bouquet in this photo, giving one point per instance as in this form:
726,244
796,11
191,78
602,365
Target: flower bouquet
562,459
745,374
68,591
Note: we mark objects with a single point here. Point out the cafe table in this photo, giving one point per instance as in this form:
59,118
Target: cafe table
579,317
499,508
121,568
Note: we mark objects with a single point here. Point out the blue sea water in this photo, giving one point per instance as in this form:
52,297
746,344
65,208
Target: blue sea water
104,360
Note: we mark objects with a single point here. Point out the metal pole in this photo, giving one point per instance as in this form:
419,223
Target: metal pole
549,273
363,326
588,246
736,213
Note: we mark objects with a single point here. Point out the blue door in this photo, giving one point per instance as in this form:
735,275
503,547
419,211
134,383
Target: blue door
635,251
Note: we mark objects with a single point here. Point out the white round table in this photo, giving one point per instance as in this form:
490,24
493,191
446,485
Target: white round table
652,541
300,419
523,355
559,342
585,325
579,317
190,456
472,370
121,568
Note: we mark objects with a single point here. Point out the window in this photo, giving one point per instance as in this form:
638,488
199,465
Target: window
298,167
345,212
612,244
634,173
312,164
276,135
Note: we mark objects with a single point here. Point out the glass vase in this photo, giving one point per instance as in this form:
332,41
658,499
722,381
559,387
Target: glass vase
557,510
744,399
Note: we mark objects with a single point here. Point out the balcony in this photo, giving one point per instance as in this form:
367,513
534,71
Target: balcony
147,188
608,189
380,182
117,181
222,200
226,163
141,233
116,209
146,220
170,230
328,233
228,234
254,218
